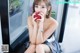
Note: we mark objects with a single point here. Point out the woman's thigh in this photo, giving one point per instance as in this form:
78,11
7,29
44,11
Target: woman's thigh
45,47
30,49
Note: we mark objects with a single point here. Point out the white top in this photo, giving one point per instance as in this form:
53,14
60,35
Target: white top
51,39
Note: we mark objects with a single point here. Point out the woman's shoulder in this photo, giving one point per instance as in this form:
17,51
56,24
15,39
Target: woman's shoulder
29,18
53,21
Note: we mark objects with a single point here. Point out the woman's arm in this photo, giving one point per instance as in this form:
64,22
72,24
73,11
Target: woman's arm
32,31
39,38
42,36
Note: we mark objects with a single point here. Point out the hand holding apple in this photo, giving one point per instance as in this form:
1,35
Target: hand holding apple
37,16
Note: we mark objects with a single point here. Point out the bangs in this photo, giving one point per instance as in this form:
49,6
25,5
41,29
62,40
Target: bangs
38,2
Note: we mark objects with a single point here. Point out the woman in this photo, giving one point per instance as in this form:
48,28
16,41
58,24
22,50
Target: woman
41,29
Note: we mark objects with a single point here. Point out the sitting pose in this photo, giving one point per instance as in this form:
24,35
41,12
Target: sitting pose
41,27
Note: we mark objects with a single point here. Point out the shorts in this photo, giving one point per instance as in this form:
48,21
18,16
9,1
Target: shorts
54,46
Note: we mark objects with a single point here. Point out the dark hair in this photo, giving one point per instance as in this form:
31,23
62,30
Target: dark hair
48,4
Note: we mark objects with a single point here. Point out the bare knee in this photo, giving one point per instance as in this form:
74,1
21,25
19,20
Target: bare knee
30,49
39,49
31,45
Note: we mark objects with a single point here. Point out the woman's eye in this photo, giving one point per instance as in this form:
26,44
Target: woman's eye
36,6
43,7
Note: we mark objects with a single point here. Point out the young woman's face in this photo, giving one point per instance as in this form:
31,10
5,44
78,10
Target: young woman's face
41,8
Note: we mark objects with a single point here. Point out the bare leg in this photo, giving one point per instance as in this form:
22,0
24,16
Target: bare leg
42,48
39,49
31,49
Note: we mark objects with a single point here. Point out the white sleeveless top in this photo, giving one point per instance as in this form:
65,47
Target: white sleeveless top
51,39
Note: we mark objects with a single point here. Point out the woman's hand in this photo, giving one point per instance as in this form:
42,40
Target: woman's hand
42,17
38,22
41,20
33,19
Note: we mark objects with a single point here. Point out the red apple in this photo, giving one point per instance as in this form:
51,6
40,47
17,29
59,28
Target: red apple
37,16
